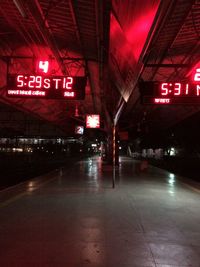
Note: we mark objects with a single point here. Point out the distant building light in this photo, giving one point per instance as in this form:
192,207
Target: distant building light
172,151
17,149
94,145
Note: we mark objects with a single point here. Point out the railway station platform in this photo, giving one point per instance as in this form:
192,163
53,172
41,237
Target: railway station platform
72,217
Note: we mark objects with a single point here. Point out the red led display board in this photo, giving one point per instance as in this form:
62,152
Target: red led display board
50,87
92,121
171,92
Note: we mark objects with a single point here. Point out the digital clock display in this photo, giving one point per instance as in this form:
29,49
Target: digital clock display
170,93
51,87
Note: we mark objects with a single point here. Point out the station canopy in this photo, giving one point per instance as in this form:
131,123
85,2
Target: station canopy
112,46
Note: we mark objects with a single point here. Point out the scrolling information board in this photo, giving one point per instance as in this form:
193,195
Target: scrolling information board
47,87
170,93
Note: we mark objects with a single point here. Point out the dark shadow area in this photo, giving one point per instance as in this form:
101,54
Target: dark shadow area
19,167
186,167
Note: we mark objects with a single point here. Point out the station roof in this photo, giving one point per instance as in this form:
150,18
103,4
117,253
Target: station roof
115,44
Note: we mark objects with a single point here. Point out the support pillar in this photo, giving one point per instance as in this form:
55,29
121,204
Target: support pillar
112,147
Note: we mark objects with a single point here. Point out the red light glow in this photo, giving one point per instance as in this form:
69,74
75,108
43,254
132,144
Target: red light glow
128,37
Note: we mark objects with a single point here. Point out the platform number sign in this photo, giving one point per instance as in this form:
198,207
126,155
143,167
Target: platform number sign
43,66
173,92
93,121
79,130
197,75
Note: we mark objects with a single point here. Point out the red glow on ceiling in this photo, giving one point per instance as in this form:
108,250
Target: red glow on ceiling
130,24
141,26
137,32
130,32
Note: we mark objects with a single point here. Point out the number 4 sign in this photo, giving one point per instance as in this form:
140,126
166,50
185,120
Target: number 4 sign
43,66
197,75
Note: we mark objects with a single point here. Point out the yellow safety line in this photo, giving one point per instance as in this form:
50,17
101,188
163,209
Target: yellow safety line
13,199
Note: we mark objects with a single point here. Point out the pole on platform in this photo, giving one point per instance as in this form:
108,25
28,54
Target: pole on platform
114,156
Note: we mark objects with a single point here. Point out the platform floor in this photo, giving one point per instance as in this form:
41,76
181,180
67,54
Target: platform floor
74,218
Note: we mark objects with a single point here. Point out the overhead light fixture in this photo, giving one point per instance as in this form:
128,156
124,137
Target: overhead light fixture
20,8
92,121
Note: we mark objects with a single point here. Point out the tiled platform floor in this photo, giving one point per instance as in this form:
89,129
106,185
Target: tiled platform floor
74,218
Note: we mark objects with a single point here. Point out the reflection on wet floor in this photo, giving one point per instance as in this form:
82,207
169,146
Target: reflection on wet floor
73,217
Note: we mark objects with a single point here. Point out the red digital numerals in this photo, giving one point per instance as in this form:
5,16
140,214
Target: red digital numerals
37,82
43,66
179,89
197,75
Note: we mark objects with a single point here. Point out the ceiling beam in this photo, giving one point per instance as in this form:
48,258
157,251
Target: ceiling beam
160,16
174,8
167,65
73,7
102,10
42,24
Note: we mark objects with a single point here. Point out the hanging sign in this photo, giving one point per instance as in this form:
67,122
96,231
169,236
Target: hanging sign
174,92
93,121
42,85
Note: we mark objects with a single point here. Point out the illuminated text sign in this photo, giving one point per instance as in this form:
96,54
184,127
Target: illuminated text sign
79,130
50,87
170,92
93,121
42,66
